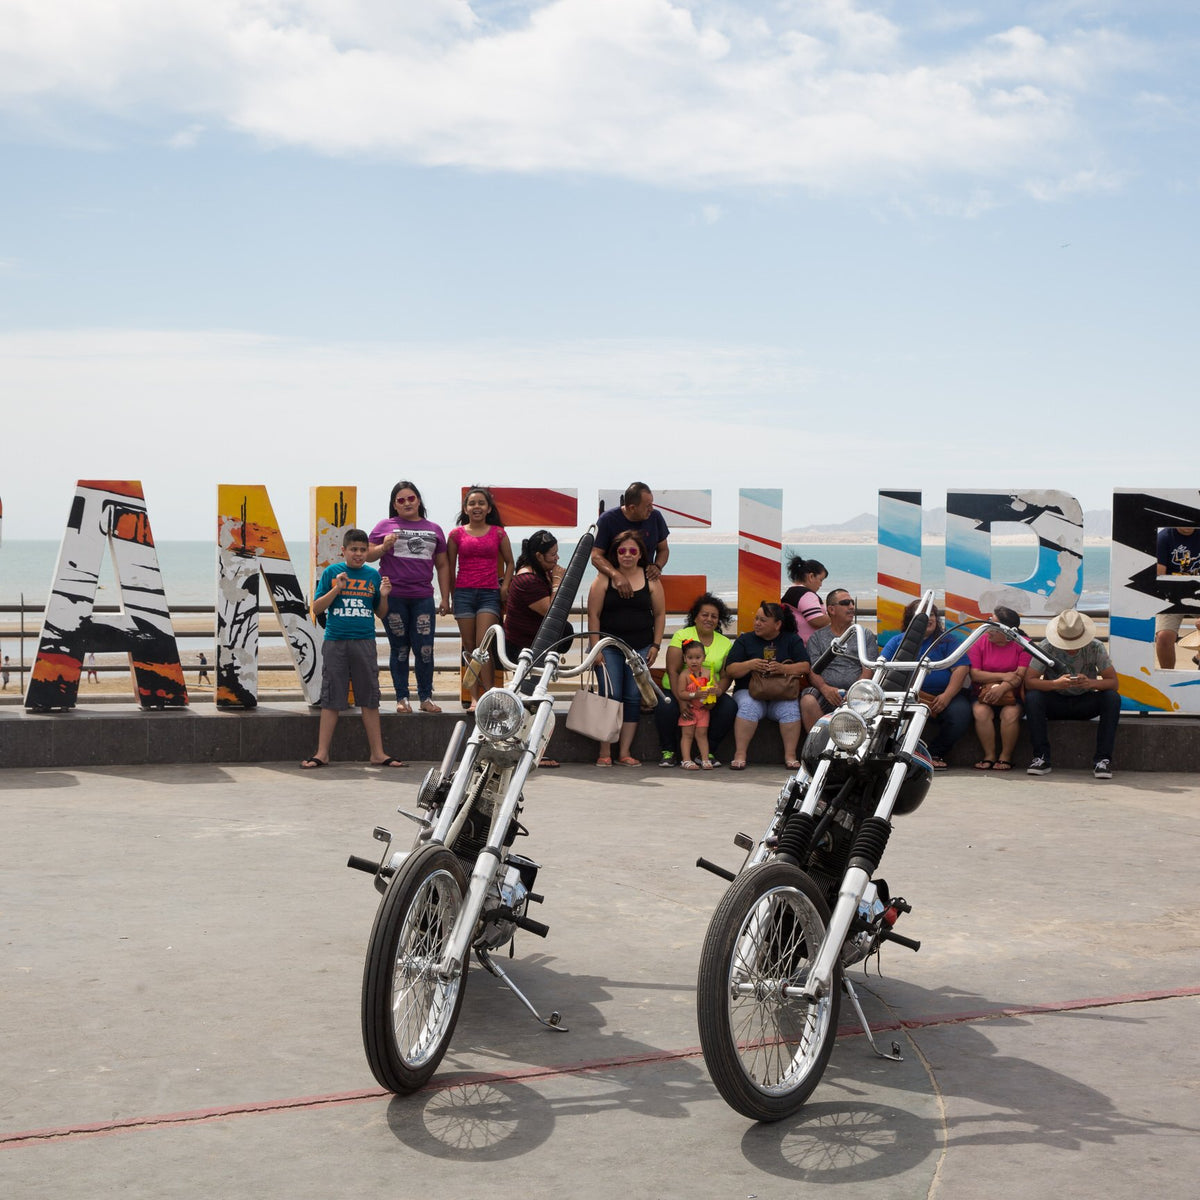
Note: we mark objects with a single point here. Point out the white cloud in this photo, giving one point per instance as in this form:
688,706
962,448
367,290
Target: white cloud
828,94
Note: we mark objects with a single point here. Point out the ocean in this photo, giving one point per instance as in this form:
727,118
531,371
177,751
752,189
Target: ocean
189,569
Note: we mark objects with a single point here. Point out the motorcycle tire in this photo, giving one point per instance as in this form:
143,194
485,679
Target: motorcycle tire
765,1051
408,1013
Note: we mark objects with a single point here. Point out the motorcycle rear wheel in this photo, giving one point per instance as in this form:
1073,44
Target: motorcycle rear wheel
765,1051
408,1013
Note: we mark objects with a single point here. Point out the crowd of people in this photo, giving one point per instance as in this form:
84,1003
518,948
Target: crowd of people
714,685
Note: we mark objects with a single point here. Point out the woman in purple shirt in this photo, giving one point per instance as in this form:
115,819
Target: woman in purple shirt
408,548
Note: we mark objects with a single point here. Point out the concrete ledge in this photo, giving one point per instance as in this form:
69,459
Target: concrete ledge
124,735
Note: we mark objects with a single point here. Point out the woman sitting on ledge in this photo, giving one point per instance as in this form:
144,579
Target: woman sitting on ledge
770,666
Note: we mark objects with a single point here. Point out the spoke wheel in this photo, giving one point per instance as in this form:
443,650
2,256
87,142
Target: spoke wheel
766,1050
408,1012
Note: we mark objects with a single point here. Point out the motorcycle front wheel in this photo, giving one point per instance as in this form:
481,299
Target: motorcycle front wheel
408,1012
765,1049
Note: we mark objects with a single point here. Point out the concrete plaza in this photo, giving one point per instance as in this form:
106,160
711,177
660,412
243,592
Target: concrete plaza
183,957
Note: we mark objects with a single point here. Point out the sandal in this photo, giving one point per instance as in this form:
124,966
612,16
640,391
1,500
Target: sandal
403,706
311,764
428,706
629,761
688,765
986,764
705,765
738,764
792,764
1002,764
390,762
940,764
604,762
549,764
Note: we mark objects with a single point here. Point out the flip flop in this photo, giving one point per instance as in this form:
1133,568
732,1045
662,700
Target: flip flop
390,762
940,764
792,764
311,764
738,764
986,764
629,761
428,706
549,764
403,706
1002,764
604,762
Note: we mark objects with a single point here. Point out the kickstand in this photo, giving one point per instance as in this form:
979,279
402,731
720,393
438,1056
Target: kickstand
895,1055
554,1020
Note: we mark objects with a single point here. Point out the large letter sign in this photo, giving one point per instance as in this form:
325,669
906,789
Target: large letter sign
108,513
1139,594
249,542
1057,577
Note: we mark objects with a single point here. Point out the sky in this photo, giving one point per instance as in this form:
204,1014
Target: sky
818,245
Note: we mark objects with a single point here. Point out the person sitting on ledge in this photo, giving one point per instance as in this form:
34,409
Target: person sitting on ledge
1081,685
828,690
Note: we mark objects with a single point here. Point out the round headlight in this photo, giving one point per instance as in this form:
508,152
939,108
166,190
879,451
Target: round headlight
499,714
865,697
847,729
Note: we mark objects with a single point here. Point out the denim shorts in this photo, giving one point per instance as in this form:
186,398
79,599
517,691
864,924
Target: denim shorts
470,602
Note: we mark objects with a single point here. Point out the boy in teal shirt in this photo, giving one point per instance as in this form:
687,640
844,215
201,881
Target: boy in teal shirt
351,595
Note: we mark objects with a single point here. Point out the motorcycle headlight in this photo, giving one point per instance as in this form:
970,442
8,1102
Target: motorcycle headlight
847,729
865,697
499,715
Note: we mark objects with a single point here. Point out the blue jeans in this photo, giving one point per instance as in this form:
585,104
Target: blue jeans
956,718
624,686
409,626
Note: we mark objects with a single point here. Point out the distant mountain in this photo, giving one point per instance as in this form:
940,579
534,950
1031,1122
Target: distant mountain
1097,523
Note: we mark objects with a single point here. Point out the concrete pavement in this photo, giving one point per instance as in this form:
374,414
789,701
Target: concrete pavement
183,957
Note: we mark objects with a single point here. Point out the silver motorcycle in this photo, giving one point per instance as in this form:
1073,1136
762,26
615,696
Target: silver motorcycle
460,887
807,904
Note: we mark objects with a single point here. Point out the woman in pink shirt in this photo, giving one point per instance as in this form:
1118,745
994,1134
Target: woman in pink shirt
997,679
481,565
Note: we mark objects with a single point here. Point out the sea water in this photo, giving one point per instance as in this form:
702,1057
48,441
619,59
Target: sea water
189,569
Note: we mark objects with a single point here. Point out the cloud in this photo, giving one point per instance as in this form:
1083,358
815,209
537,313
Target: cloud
823,94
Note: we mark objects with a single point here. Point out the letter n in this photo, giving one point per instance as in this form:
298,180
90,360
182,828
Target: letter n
249,543
111,512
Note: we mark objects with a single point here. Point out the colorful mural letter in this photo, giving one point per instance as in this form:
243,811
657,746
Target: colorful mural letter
681,509
535,506
1056,580
760,550
898,573
112,513
249,543
331,512
1139,594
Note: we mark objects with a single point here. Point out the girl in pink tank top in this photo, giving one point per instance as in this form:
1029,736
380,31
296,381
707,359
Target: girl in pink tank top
481,565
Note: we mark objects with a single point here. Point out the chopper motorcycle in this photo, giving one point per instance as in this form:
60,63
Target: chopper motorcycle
807,904
460,887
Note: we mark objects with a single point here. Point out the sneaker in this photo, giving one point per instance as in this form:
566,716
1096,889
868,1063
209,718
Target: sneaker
713,761
1102,769
1039,766
668,759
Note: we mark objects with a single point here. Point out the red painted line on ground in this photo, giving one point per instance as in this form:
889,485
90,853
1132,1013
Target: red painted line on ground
32,1137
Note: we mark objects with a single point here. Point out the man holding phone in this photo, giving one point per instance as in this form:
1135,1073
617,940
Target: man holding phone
1081,684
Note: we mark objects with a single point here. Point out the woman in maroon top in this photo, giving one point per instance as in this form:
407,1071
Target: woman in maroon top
533,585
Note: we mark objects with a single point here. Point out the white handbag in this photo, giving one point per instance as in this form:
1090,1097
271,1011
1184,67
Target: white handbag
596,716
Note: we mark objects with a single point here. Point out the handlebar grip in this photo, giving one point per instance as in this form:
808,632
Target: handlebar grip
818,668
471,674
914,635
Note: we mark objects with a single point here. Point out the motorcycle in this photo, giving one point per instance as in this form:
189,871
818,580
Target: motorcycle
806,904
460,886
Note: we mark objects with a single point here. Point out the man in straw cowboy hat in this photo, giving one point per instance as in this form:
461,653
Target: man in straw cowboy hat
1081,684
